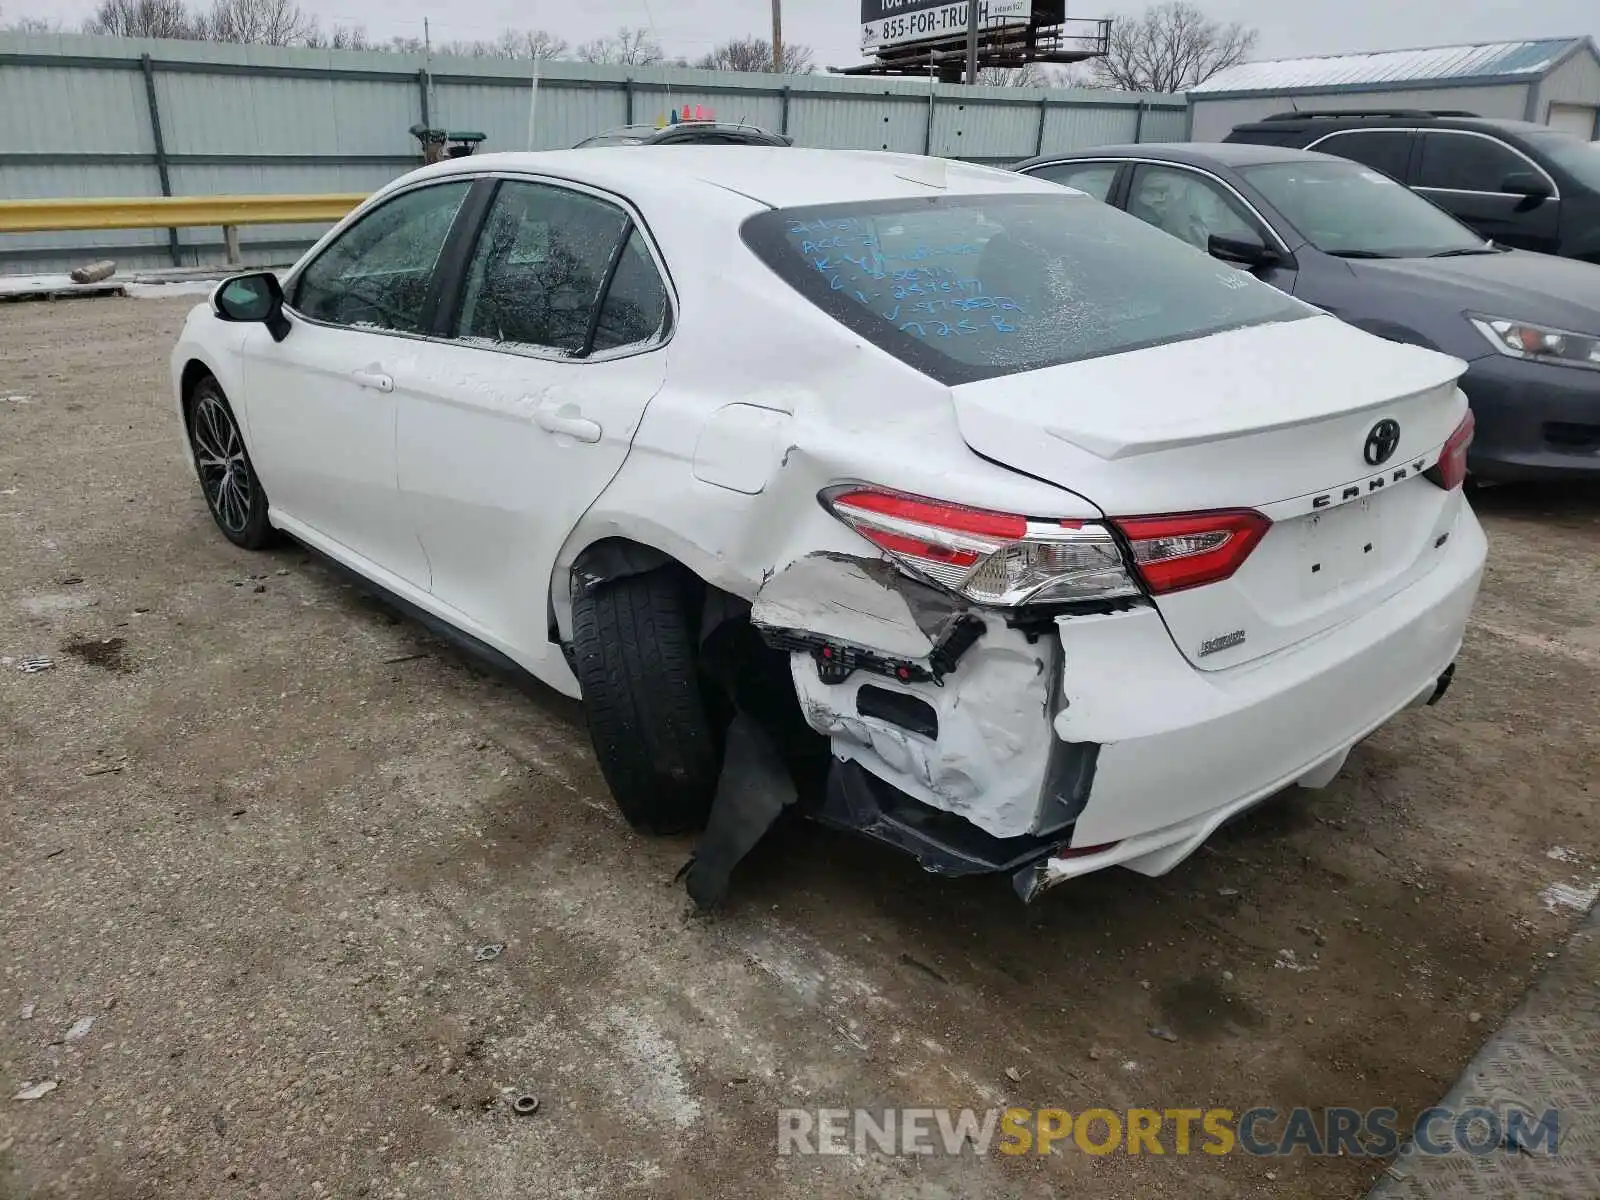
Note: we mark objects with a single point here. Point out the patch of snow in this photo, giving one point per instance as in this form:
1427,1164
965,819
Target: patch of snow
1564,854
659,1085
80,1030
1566,895
1287,961
23,285
54,602
178,287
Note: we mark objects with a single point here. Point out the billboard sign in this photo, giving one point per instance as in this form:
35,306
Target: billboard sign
896,22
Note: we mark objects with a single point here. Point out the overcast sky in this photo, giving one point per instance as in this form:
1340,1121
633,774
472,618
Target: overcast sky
691,27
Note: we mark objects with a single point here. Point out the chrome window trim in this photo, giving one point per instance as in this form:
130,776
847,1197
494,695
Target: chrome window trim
1555,192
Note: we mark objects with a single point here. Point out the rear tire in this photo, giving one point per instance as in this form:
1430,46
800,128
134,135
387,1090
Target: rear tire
634,641
233,491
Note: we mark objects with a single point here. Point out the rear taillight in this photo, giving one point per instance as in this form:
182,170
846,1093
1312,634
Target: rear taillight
988,557
1451,470
1187,550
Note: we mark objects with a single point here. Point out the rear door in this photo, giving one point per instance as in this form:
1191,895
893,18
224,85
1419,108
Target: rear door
1466,172
522,416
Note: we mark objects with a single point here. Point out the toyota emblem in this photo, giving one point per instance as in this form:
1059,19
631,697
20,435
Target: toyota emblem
1382,442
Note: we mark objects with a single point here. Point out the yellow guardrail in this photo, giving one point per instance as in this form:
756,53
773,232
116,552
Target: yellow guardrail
165,212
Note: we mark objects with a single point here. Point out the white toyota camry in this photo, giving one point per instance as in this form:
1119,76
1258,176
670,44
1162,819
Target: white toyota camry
985,519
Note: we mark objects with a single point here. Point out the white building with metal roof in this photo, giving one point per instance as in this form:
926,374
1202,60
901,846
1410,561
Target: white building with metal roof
1553,81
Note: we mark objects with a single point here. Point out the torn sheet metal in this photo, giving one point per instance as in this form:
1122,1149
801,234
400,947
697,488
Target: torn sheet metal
849,600
995,738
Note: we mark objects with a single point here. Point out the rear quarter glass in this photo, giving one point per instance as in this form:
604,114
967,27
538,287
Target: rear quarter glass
972,287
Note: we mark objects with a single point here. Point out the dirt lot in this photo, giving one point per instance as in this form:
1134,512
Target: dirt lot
255,826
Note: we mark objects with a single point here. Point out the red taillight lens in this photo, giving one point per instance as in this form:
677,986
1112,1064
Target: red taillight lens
988,557
1191,549
1450,471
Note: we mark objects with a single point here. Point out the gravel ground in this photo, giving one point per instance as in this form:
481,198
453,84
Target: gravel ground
255,827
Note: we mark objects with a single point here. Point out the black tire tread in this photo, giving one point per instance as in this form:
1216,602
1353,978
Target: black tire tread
635,651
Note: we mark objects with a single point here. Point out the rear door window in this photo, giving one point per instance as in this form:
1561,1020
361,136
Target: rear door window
1386,150
1466,162
971,287
536,274
1093,179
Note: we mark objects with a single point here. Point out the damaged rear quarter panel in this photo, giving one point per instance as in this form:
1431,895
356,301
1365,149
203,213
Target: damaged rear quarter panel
843,411
990,758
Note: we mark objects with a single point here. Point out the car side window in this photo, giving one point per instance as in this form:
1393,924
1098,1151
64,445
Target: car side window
535,277
1187,205
1466,162
377,273
1095,179
635,309
1386,150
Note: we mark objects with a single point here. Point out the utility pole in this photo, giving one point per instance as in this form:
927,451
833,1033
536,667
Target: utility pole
777,37
972,41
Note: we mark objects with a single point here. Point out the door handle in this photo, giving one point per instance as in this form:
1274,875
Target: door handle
373,377
555,417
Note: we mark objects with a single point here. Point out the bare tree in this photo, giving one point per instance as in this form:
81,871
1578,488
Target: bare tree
30,25
258,22
340,37
755,54
142,19
1029,75
1170,48
512,43
634,47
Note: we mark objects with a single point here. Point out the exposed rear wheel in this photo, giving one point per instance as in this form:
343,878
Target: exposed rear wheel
234,494
634,641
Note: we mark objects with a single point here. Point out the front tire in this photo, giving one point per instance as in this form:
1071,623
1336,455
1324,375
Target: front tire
634,642
233,491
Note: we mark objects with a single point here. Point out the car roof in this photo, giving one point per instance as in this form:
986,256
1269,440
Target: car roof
1328,119
774,176
1200,154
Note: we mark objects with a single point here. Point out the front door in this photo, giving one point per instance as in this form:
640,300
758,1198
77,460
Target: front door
322,403
517,422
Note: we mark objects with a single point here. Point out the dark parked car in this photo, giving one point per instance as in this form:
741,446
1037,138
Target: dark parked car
1523,185
1354,242
687,133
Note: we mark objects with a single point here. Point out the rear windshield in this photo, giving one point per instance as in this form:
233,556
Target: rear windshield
967,287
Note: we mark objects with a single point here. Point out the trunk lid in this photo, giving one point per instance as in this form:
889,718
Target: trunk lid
1275,418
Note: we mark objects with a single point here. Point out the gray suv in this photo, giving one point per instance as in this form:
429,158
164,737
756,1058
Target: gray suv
1521,184
1351,240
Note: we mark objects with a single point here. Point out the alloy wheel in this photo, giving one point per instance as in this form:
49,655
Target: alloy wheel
224,473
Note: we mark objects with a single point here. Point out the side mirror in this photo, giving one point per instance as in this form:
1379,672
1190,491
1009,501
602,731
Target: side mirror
1527,183
257,297
1243,250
